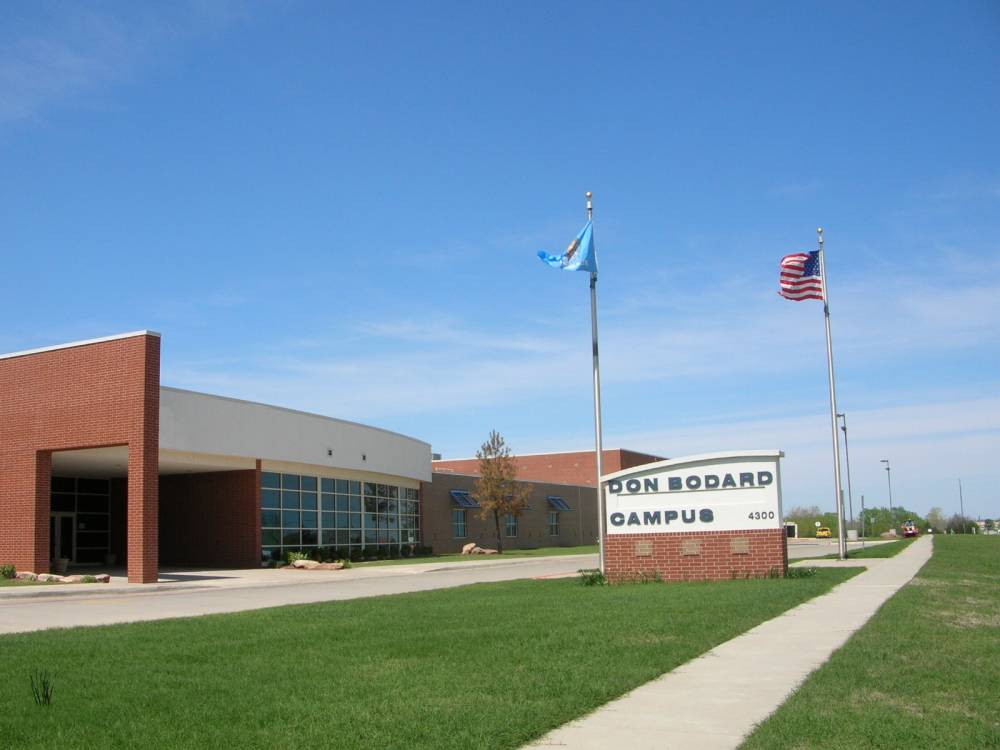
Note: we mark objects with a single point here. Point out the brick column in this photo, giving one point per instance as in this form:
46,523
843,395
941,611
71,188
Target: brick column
144,473
42,511
143,514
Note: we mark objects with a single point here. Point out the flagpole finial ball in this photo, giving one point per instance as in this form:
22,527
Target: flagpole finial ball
819,230
589,195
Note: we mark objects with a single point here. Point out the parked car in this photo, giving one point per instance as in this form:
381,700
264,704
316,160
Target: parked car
823,532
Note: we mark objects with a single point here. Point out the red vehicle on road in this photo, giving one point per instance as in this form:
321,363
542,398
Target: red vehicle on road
910,529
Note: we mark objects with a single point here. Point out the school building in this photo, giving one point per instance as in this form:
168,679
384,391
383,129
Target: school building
102,465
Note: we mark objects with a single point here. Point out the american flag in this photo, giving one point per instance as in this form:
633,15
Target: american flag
800,278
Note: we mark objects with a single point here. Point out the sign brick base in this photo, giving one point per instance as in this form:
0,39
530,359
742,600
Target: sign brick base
696,556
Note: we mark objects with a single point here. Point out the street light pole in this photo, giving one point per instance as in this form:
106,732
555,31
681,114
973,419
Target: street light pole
888,476
961,504
847,455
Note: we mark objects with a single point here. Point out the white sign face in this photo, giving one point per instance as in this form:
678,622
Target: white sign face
717,492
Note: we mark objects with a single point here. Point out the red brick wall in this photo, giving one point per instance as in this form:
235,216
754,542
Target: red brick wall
89,396
578,467
716,560
210,519
577,526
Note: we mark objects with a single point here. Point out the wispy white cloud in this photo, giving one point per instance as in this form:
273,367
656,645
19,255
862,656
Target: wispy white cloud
928,440
73,49
427,365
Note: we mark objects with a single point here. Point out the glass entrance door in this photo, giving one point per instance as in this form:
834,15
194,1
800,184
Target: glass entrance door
61,532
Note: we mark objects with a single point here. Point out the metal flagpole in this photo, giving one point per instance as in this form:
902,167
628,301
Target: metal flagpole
841,534
598,441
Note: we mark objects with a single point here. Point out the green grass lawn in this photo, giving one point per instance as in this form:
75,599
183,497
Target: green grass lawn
483,666
587,549
889,549
923,673
21,582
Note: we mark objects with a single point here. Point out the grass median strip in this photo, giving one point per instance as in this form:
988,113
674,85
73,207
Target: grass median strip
587,549
483,666
889,549
923,673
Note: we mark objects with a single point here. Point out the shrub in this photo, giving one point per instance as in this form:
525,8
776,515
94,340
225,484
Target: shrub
592,577
8,571
347,563
291,556
405,550
356,554
89,579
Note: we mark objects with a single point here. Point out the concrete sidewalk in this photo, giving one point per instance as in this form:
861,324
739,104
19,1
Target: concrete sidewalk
714,701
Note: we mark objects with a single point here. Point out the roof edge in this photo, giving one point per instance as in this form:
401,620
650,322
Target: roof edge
74,344
552,453
684,460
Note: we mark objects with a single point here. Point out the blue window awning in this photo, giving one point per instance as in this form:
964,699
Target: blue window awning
558,503
463,499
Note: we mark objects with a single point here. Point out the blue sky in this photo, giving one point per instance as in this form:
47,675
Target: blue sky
336,207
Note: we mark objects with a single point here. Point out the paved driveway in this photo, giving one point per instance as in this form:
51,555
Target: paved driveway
190,593
210,592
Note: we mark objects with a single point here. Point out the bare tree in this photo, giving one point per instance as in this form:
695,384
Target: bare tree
936,519
497,489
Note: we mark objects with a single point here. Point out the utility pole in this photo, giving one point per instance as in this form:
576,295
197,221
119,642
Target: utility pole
961,505
888,476
847,455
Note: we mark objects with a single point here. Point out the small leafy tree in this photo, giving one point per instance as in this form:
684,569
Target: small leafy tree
497,489
881,520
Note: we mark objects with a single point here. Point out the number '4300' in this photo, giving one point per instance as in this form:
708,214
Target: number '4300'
761,515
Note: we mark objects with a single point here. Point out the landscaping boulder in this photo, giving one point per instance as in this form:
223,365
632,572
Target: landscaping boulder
103,578
487,551
313,565
72,579
469,549
26,575
47,577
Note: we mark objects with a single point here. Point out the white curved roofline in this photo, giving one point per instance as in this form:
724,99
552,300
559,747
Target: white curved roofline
684,460
293,411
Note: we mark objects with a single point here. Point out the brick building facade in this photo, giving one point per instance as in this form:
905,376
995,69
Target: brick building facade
105,394
449,524
573,467
101,465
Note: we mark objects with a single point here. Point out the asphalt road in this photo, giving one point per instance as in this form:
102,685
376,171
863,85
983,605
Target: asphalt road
260,589
23,614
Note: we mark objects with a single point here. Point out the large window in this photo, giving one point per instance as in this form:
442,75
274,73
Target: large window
510,525
302,512
553,523
458,527
86,502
